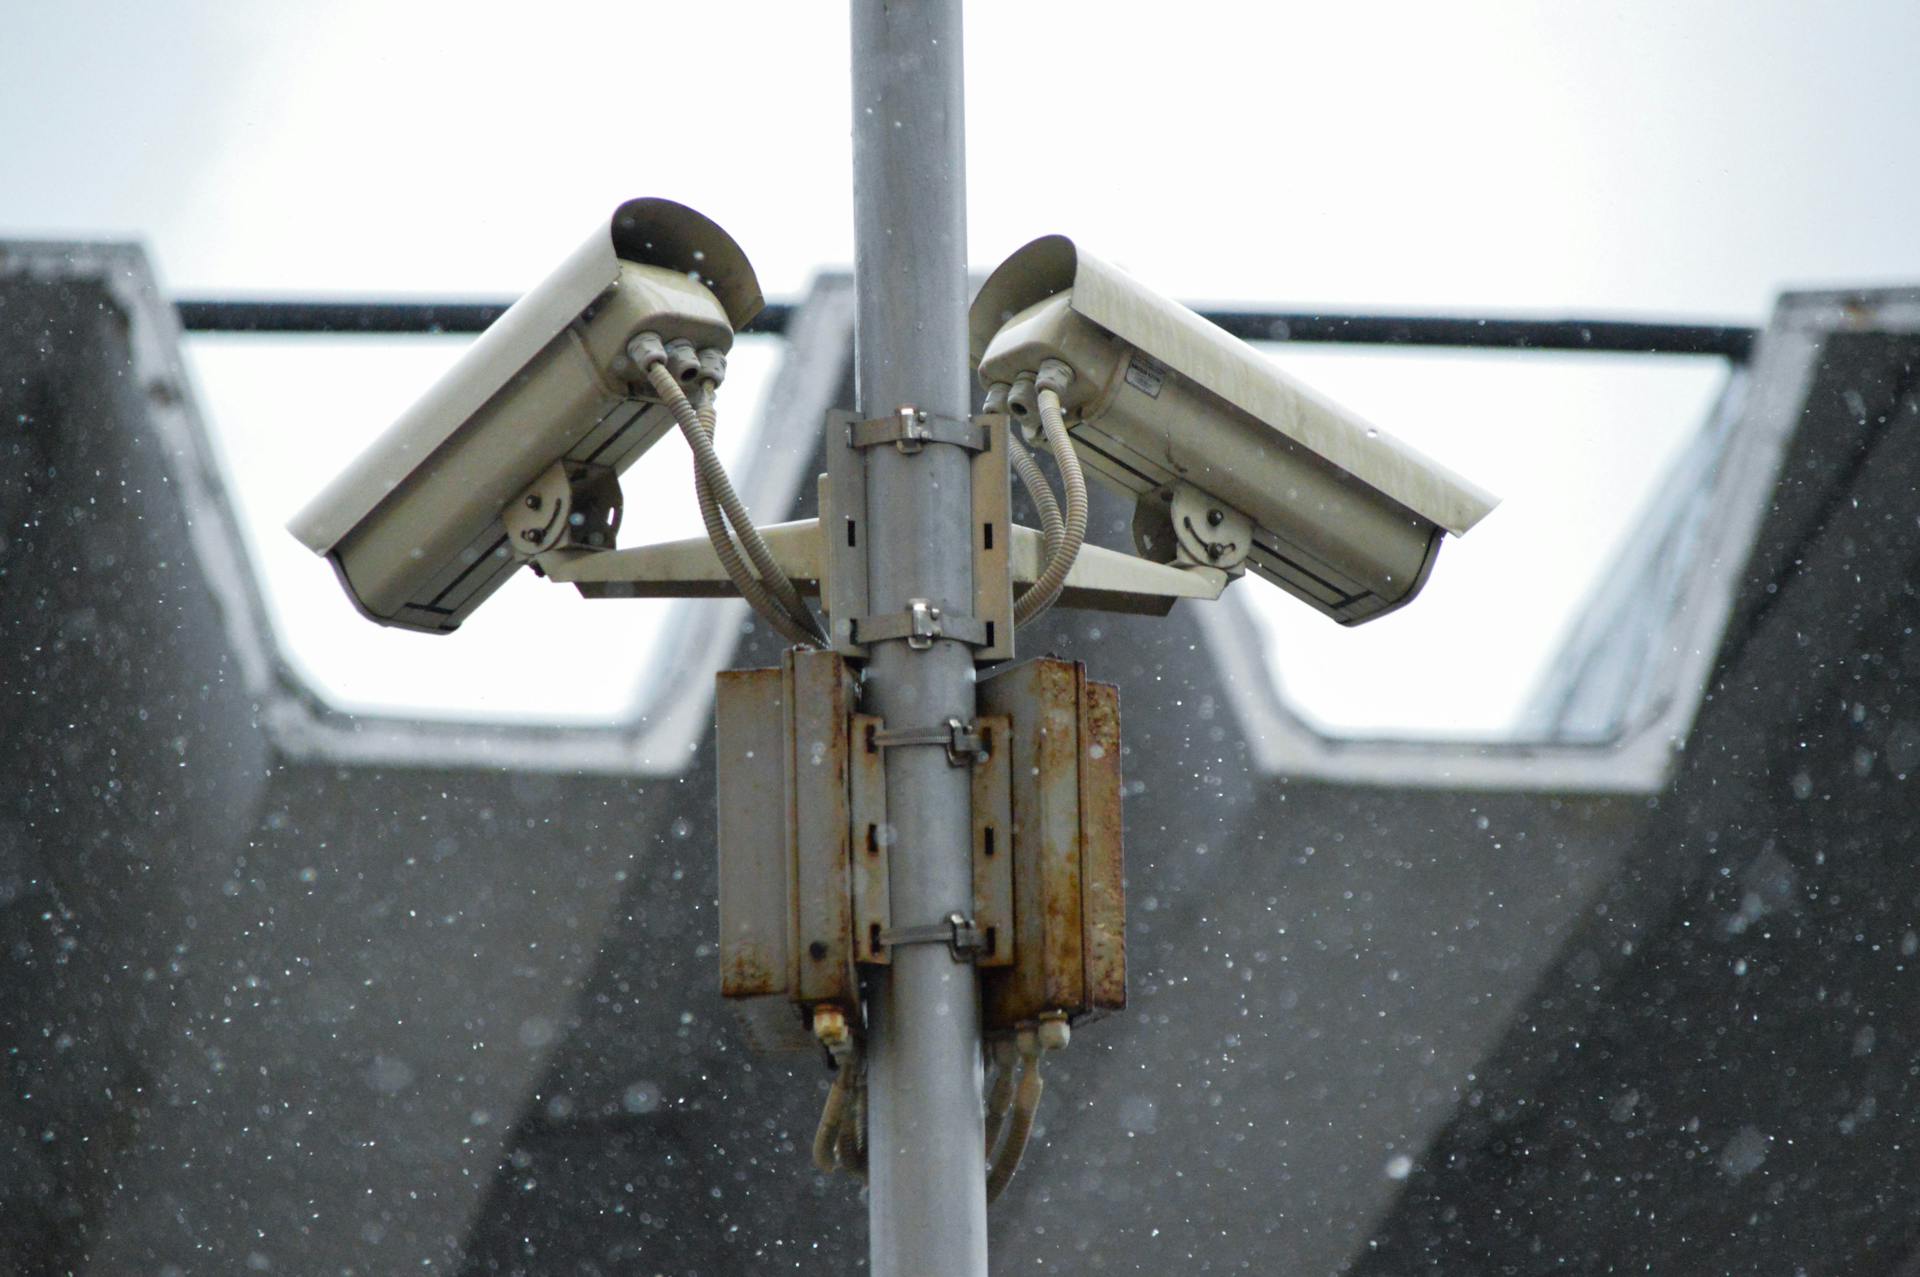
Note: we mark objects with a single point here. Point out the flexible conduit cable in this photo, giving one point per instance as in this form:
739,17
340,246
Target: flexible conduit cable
773,596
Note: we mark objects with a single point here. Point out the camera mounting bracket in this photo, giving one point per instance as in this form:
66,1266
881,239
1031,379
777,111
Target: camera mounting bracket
911,429
986,624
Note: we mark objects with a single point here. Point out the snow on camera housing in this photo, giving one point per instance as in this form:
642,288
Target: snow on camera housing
1231,463
414,526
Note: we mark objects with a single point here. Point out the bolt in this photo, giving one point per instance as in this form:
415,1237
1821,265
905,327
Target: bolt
533,502
530,534
1215,518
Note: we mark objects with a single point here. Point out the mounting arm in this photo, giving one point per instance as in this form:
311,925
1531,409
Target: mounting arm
1101,580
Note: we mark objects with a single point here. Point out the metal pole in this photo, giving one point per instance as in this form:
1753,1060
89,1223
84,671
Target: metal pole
926,1173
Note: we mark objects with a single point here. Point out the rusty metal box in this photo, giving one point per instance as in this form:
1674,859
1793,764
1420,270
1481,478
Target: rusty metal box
786,909
1069,901
803,868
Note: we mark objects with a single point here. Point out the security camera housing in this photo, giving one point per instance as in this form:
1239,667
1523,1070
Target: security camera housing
414,527
1189,420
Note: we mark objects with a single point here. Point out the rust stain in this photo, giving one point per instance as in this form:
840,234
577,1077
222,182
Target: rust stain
1048,970
820,703
746,972
1056,758
754,913
1103,857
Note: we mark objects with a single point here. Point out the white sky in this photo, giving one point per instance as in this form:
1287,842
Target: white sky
1631,159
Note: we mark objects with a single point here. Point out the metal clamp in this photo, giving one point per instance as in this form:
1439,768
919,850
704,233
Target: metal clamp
919,625
957,932
983,617
963,744
910,429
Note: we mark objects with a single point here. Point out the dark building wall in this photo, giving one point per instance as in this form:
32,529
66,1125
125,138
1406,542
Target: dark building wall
134,759
369,1004
1730,1087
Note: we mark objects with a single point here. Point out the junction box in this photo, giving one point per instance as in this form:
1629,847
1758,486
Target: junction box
805,844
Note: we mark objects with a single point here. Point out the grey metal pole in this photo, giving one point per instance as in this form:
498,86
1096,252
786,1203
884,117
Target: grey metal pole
926,1167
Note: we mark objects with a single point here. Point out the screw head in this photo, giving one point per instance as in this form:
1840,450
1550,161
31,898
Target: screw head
529,534
1215,518
533,502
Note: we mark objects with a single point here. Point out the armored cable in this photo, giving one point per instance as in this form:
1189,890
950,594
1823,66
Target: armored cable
1055,376
832,1117
1034,480
1000,1097
1051,1034
773,596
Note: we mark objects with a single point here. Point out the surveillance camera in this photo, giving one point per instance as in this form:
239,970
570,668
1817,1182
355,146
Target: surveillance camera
546,396
1231,462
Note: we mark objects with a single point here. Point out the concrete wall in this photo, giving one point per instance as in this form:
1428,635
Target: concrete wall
1718,1075
137,770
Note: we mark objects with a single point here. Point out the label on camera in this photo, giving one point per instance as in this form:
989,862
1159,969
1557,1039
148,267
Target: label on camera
1146,375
